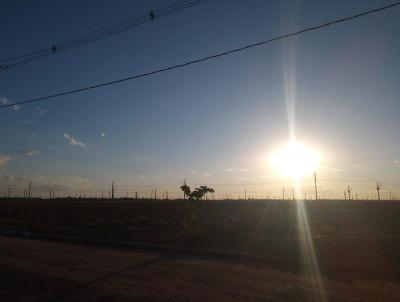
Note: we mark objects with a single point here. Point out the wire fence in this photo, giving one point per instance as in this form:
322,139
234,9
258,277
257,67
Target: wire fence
325,188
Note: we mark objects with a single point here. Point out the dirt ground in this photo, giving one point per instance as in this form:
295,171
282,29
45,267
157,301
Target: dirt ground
356,245
353,233
35,270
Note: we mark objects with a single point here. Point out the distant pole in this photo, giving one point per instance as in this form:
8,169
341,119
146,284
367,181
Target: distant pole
155,193
283,193
136,195
112,190
245,194
167,196
184,192
49,194
30,188
315,186
345,196
9,192
349,192
378,188
293,194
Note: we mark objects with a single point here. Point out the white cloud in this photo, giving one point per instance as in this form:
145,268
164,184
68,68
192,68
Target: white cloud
206,174
141,175
396,162
361,167
40,110
236,170
29,152
332,169
5,101
72,141
4,159
103,134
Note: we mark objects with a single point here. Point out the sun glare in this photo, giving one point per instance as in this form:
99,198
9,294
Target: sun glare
294,160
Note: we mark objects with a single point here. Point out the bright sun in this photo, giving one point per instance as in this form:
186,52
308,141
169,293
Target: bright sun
294,160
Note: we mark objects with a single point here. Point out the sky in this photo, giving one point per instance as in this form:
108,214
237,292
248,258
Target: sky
336,90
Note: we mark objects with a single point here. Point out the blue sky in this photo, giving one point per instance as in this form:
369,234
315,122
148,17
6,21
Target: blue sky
212,122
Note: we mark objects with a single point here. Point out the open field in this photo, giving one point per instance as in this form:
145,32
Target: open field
34,270
357,247
356,235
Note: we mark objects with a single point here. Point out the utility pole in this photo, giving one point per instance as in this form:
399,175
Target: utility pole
349,192
283,193
30,188
155,193
293,194
315,186
378,188
184,192
136,195
9,192
112,190
245,194
345,196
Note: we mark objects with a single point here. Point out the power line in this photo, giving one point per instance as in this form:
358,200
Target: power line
102,33
133,77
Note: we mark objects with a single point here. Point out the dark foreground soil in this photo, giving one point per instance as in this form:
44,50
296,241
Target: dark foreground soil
34,270
356,245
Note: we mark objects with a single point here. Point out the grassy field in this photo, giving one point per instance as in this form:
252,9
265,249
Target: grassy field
355,234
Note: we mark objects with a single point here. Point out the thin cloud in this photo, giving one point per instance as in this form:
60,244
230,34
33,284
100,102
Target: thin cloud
40,110
328,168
72,141
361,167
396,162
206,174
4,159
5,101
29,152
103,134
236,170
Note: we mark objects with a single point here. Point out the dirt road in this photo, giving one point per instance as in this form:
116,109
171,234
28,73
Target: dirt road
34,270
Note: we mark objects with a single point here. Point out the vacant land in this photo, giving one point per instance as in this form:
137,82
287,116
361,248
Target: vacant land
34,270
361,234
357,246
